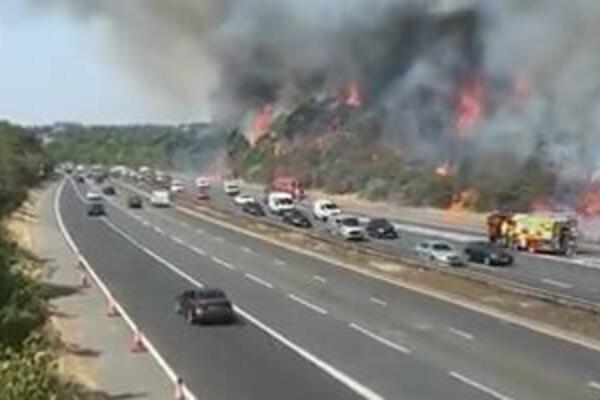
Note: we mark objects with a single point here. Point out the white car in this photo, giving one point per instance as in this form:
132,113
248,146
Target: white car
202,182
93,196
160,198
440,252
177,187
347,226
242,199
324,209
279,202
231,188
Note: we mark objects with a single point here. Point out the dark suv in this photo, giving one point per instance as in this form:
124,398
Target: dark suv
134,201
205,305
95,209
488,254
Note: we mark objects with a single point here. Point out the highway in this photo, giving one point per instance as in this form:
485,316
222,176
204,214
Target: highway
578,277
309,329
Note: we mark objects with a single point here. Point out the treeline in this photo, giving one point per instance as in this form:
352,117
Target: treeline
27,362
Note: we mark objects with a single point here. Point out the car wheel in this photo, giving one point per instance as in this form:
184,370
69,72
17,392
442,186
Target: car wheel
190,317
487,261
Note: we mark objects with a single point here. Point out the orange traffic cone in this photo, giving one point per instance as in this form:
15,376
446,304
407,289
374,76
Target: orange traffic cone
138,345
179,394
112,311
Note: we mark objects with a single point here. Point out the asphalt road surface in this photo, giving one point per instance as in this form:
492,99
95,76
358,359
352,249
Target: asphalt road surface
577,277
308,329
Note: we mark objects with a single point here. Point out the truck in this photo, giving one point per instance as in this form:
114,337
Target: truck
160,198
548,233
288,184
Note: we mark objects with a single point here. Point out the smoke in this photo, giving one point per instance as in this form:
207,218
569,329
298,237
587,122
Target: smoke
410,58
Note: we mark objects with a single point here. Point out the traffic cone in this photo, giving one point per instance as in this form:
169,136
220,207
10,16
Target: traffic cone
138,345
179,394
85,283
112,308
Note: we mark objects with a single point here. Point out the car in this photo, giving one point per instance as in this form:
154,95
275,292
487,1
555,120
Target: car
324,209
109,190
205,305
93,196
231,188
296,218
347,226
242,199
79,179
279,202
177,186
202,182
380,228
439,252
254,208
95,209
160,198
134,201
202,195
488,254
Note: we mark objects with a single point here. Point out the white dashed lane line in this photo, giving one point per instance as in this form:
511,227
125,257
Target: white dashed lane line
247,250
198,250
377,338
461,333
377,301
279,262
307,304
479,386
259,280
222,263
320,279
558,284
158,230
177,240
594,385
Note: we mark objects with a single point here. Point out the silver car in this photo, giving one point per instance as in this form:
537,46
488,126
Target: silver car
347,226
439,252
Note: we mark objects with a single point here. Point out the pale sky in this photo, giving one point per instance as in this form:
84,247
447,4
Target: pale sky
53,68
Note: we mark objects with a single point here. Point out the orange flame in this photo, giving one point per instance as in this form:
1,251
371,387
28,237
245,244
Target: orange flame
588,203
469,106
352,95
260,124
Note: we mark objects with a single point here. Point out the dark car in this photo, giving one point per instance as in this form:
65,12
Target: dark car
254,208
205,305
95,209
79,179
381,229
296,218
134,202
488,254
109,190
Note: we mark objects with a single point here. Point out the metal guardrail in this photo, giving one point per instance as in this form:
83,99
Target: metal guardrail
478,277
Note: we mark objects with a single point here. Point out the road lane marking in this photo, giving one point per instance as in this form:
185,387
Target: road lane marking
158,230
594,385
461,333
198,250
222,263
279,262
478,386
379,339
320,279
558,284
307,304
145,222
248,250
357,387
259,280
177,240
378,301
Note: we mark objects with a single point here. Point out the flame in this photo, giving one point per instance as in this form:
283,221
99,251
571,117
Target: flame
260,124
588,203
463,200
444,170
352,96
469,105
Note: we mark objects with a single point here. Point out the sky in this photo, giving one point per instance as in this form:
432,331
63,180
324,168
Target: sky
54,68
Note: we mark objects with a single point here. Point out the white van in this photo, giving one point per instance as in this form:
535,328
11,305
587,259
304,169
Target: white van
278,202
160,198
231,188
324,209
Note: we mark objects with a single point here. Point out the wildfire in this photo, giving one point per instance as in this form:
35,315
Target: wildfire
352,96
589,201
463,200
260,124
444,170
469,105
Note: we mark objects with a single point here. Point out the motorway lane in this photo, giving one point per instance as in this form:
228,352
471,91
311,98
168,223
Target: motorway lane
449,337
578,277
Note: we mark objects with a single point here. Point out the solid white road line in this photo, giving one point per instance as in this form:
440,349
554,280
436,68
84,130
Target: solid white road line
378,301
258,280
225,264
379,339
556,283
340,376
478,386
319,278
279,262
198,250
461,333
594,385
307,304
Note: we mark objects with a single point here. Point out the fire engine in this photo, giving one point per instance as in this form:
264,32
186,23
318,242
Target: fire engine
551,233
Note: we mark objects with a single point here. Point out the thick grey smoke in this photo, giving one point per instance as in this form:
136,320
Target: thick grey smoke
408,55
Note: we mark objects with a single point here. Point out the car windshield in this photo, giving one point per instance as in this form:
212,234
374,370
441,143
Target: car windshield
350,222
441,247
210,294
284,202
330,206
